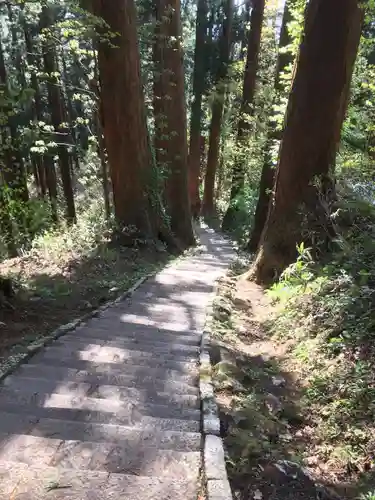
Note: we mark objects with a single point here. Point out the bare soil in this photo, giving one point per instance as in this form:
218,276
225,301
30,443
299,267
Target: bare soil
50,293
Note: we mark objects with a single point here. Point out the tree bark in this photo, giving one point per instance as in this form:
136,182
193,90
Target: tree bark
268,171
37,111
310,141
14,173
59,118
136,202
208,208
199,85
249,83
172,106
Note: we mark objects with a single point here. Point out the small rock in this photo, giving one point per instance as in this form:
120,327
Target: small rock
278,381
2,324
114,289
36,298
257,495
313,460
85,304
273,404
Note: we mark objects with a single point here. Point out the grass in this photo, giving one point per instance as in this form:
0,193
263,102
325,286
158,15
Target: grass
69,271
314,328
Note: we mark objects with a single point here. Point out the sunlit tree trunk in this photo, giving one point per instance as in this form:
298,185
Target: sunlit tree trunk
172,106
284,58
313,121
136,200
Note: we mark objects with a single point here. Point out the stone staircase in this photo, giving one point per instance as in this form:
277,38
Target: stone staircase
111,411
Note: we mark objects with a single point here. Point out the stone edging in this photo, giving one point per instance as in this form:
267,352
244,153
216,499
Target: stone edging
215,472
33,348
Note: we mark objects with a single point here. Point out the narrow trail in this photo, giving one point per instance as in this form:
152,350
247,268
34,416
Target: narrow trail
111,411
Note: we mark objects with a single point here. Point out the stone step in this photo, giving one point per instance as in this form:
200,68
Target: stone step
127,417
110,353
22,424
90,408
96,328
134,458
78,380
31,482
87,335
62,375
109,433
103,363
184,364
135,455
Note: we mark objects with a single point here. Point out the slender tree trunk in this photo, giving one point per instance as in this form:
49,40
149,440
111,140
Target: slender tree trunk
249,82
101,147
59,118
159,118
6,227
136,203
217,112
174,146
14,170
37,110
313,121
267,179
199,85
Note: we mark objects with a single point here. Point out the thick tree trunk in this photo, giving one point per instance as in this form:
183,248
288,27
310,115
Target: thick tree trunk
174,146
136,203
208,208
199,84
284,58
59,118
249,82
313,121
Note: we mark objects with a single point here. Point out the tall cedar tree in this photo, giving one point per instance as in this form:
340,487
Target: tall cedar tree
58,116
284,58
199,77
136,204
315,113
217,111
172,106
123,113
249,82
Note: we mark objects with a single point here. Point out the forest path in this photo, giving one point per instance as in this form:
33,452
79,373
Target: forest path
111,411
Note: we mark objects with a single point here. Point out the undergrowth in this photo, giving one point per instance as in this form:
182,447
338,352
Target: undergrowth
326,312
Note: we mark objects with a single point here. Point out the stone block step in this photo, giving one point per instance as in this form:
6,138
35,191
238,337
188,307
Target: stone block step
20,481
185,364
134,458
78,380
97,361
62,375
22,424
96,328
117,354
89,408
135,328
109,433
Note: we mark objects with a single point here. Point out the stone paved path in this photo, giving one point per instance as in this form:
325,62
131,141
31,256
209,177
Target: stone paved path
111,411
